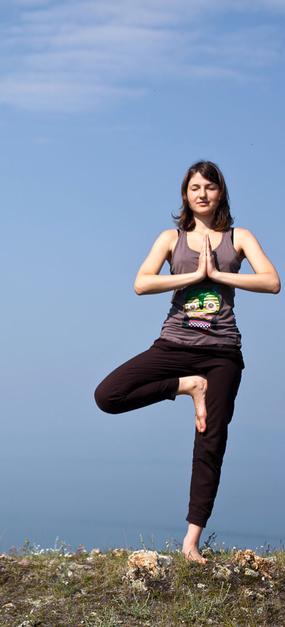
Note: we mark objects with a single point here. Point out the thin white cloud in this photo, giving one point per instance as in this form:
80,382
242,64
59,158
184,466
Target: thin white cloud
70,56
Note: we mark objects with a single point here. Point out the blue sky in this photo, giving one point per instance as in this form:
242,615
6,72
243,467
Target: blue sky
103,108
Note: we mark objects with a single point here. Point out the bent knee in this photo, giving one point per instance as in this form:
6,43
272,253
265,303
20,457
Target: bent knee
104,401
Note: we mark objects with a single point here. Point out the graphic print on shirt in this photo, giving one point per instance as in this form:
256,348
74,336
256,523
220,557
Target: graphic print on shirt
201,308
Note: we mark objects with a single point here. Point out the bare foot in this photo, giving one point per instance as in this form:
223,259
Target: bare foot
191,552
196,386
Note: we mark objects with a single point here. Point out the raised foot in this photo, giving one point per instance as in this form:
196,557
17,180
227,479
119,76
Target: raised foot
196,386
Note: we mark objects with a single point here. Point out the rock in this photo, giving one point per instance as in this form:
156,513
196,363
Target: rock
148,569
222,572
79,567
24,562
249,593
253,594
251,573
93,554
249,560
118,552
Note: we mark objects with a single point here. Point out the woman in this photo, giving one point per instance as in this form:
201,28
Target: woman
198,352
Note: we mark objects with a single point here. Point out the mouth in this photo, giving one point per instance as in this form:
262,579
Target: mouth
203,203
199,323
198,316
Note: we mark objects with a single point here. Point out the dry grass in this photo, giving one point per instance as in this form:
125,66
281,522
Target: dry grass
56,588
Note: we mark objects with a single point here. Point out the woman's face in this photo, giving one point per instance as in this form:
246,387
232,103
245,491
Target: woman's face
203,195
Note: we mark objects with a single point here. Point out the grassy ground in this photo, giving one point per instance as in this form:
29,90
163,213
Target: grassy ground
56,588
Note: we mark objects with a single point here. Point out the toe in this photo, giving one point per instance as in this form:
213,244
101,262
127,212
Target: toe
201,423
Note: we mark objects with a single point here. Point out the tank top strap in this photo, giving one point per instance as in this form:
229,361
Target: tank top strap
178,250
228,240
229,235
179,241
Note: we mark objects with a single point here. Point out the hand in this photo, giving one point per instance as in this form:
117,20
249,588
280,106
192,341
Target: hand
212,270
202,264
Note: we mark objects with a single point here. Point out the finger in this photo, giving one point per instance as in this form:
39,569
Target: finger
207,244
210,248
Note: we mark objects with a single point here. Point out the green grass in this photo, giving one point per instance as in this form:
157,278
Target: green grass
58,588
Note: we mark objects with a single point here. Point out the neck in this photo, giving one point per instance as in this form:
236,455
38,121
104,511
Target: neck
203,224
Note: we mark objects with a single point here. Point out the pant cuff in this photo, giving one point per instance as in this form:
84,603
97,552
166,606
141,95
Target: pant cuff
196,521
174,385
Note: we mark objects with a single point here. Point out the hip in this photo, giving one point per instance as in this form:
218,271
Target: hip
207,350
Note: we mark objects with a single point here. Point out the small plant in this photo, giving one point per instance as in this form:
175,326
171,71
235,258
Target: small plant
142,542
211,538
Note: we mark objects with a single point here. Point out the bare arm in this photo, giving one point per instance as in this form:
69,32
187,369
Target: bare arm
265,279
148,280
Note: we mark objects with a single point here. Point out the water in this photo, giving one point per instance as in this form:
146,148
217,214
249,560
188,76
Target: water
126,503
130,535
125,483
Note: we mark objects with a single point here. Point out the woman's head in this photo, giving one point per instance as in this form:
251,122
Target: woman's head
213,190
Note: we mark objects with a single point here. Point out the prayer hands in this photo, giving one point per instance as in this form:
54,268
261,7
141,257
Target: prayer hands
206,264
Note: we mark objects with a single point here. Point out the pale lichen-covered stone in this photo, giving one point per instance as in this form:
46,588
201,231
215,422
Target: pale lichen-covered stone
253,594
93,553
222,572
251,573
24,562
118,552
147,569
249,560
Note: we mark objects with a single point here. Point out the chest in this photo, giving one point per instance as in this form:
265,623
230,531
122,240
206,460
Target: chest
194,240
185,257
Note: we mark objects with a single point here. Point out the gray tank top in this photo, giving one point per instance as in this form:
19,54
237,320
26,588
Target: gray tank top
202,314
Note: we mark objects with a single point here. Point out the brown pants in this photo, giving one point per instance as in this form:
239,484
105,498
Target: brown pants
153,376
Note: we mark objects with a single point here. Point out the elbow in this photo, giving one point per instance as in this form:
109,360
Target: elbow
138,288
276,287
140,285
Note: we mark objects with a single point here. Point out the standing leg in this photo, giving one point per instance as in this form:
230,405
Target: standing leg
209,447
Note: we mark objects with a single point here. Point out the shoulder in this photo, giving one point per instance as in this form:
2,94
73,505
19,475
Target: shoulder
243,235
241,232
244,239
168,234
169,237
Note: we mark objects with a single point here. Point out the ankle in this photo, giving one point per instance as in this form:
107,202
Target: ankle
193,534
183,387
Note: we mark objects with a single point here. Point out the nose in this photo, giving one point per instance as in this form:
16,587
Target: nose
202,193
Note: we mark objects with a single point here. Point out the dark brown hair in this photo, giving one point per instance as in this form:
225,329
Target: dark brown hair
222,218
